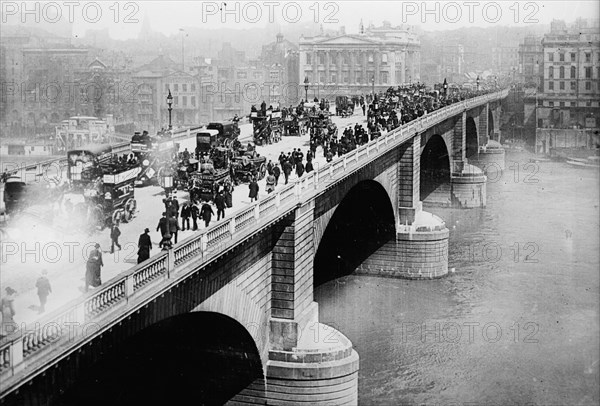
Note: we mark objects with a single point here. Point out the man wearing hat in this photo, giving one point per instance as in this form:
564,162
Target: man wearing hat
43,290
144,246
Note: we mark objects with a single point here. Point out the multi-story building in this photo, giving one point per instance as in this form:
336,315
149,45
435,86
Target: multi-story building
571,76
531,61
377,57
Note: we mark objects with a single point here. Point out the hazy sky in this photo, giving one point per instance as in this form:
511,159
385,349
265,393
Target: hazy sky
124,19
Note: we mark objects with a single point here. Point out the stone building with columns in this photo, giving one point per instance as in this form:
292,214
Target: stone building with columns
376,57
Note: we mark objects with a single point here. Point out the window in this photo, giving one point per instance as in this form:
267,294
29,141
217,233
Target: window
176,87
333,59
321,77
346,59
573,104
184,101
561,57
572,56
333,78
370,57
167,87
561,85
384,77
573,72
588,57
551,85
193,101
561,72
588,72
176,100
550,56
184,87
384,58
551,72
242,75
321,58
193,87
258,75
551,104
308,59
588,85
573,85
561,104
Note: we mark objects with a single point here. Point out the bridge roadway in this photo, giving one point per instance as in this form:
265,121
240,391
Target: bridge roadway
31,350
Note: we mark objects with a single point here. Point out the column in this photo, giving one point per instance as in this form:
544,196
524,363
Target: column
303,366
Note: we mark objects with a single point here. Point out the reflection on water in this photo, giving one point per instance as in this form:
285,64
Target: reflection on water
517,323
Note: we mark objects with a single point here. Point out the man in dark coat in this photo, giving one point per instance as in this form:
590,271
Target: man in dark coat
287,169
253,186
276,173
299,169
195,214
163,226
309,167
185,216
173,227
114,237
93,266
206,213
144,246
220,203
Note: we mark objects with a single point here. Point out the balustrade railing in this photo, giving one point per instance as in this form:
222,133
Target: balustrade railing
24,345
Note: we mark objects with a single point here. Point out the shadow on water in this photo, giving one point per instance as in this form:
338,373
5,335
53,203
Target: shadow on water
197,358
361,224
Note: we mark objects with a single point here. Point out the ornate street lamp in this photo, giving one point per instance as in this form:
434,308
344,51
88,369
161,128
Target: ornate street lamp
477,81
445,87
170,104
167,180
306,88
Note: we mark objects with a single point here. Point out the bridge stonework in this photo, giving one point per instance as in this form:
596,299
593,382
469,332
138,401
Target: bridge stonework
257,269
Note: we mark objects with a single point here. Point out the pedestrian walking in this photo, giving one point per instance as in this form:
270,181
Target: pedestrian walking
43,290
195,214
185,216
93,268
115,232
309,167
144,246
287,170
270,182
276,173
163,226
220,203
7,310
173,227
254,188
299,169
206,213
228,194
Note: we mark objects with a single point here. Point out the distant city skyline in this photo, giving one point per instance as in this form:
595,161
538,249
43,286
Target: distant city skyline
167,18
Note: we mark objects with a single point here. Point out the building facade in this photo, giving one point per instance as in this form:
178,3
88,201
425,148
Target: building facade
376,58
531,61
571,76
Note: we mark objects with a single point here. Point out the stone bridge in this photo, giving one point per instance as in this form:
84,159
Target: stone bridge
240,293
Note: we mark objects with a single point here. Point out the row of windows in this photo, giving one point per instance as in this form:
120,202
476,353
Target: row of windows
572,104
346,78
184,87
561,72
573,57
572,84
333,58
184,101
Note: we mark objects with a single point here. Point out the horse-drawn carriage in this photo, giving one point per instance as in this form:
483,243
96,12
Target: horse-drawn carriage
294,125
212,171
344,106
247,165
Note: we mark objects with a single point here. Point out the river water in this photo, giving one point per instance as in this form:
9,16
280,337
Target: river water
517,322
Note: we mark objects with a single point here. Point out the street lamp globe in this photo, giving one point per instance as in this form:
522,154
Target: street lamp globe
306,88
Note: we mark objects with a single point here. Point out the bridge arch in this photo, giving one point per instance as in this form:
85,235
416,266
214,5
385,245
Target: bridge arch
205,356
472,139
364,218
435,166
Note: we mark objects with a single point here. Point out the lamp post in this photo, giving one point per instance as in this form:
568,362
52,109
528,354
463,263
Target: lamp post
477,81
306,88
167,180
445,87
373,84
170,104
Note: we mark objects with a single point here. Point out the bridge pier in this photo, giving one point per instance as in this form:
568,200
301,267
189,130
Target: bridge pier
468,186
491,157
420,250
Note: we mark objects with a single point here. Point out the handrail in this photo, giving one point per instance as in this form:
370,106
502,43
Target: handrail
18,349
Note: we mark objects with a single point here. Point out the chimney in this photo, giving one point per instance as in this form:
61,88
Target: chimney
342,30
